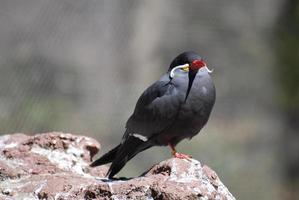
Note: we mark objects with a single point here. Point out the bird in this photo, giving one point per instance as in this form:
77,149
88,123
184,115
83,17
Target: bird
175,107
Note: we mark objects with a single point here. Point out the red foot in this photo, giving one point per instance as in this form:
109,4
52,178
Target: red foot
179,155
182,156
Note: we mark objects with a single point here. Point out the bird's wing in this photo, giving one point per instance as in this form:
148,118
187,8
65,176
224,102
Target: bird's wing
156,109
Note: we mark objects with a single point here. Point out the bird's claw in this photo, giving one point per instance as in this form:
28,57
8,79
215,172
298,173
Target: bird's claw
182,156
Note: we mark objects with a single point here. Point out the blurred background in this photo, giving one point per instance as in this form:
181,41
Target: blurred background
79,66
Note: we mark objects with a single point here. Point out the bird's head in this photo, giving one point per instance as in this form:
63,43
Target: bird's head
188,62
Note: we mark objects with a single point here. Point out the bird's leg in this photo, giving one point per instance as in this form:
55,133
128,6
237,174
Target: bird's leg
173,151
178,155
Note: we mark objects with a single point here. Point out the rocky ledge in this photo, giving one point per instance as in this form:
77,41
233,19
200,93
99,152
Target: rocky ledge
55,166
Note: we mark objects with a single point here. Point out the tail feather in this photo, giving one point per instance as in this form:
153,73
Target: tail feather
106,158
127,150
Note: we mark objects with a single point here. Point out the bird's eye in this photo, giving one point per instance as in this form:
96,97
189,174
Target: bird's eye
185,69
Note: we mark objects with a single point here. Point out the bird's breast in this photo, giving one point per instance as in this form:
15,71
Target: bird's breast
196,109
193,113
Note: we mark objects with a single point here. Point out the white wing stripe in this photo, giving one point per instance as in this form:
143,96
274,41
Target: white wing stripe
141,137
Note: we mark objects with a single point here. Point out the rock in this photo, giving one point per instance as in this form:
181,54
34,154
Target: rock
56,166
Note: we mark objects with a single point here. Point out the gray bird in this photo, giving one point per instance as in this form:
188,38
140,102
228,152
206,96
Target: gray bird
175,107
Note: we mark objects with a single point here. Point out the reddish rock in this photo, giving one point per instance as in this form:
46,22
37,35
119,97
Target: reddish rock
55,166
